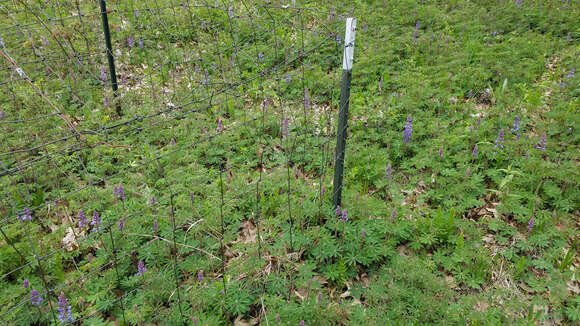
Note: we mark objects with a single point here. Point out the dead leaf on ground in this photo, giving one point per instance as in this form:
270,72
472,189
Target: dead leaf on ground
69,241
247,233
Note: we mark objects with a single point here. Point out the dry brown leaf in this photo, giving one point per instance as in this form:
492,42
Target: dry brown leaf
69,241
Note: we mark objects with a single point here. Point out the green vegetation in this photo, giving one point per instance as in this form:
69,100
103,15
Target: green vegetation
226,170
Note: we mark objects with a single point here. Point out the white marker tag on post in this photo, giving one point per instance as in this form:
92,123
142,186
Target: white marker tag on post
349,35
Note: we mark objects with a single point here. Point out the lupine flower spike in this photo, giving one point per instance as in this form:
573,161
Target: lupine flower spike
389,173
26,214
82,219
394,214
475,151
96,221
530,224
499,140
344,216
542,143
35,298
200,276
119,192
141,269
25,284
64,310
408,132
516,125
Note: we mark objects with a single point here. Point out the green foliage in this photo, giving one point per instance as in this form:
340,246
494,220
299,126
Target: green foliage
450,239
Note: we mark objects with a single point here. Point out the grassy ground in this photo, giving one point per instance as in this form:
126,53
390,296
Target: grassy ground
226,164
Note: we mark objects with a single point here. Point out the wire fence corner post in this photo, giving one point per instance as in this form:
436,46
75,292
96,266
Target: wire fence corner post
347,61
110,57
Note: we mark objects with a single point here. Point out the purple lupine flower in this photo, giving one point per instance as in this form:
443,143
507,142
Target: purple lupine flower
479,121
44,41
195,321
394,214
48,72
96,221
183,5
121,193
220,127
499,140
415,34
200,276
103,73
26,214
470,93
141,269
569,37
519,3
319,298
265,104
306,100
82,219
64,310
121,225
285,127
231,11
530,226
141,43
571,73
106,101
356,197
153,200
301,323
172,142
337,210
362,234
468,171
440,153
542,143
344,216
123,78
278,318
131,41
516,125
288,78
286,57
2,115
35,298
25,284
389,173
260,56
475,151
323,191
155,226
408,132
206,77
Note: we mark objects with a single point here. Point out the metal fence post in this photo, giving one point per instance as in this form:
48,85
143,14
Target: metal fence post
347,61
110,57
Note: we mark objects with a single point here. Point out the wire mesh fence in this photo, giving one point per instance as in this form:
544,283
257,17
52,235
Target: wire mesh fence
224,106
